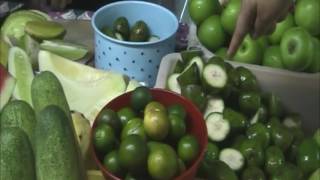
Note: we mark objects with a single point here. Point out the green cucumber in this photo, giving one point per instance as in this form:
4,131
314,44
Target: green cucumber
288,171
218,170
190,75
274,105
253,152
214,104
315,175
249,102
187,55
274,159
19,114
179,67
237,121
253,173
55,147
308,155
199,62
108,32
233,158
196,94
214,75
316,136
281,137
16,156
260,116
121,26
218,128
173,84
247,80
260,133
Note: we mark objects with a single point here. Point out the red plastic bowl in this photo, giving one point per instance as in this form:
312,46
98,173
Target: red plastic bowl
195,125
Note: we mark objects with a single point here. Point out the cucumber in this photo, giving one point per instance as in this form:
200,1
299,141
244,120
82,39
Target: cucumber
19,114
214,104
173,84
214,75
187,55
237,121
253,152
189,76
292,121
253,173
249,102
247,80
218,128
179,67
274,159
232,157
260,116
196,94
260,133
199,62
274,105
220,171
55,147
16,156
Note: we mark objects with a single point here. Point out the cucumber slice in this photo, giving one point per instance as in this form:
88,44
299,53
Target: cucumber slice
20,68
292,121
233,158
199,62
259,116
179,67
214,76
173,84
237,120
187,55
153,38
214,104
218,128
189,76
68,50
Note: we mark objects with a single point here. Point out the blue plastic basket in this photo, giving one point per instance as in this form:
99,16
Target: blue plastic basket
138,60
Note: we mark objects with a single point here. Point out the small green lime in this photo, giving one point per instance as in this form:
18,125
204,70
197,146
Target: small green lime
126,114
108,116
178,110
111,162
177,127
188,148
103,138
140,97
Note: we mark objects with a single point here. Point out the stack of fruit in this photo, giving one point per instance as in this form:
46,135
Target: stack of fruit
294,45
145,139
251,135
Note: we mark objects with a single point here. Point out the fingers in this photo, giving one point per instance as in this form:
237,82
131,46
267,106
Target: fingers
243,26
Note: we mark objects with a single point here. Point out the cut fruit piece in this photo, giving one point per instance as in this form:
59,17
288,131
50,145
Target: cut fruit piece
214,104
14,25
44,29
218,128
7,83
4,51
82,127
87,89
173,84
20,68
95,175
31,46
65,49
214,75
233,158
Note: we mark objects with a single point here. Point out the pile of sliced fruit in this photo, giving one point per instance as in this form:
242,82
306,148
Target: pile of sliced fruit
121,30
294,44
144,139
251,135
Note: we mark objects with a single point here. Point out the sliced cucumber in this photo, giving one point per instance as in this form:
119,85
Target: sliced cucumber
292,121
259,116
233,158
214,104
179,67
187,55
189,76
218,128
214,76
199,62
153,38
173,84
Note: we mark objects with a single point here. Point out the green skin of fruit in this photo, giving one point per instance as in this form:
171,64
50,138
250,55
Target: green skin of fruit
296,49
315,175
307,15
108,116
104,138
212,153
272,57
281,28
188,148
249,52
253,152
125,114
199,10
222,52
315,64
274,159
281,137
111,162
263,42
316,136
308,156
177,127
178,110
140,97
249,102
229,16
288,172
253,173
260,133
211,33
134,126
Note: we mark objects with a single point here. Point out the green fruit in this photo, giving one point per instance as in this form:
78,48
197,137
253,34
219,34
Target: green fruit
287,171
140,97
260,133
177,109
281,137
249,102
315,64
121,25
188,148
253,152
218,170
199,10
44,29
196,94
274,159
108,32
189,76
316,136
211,33
315,175
133,153
139,32
222,52
308,155
281,28
103,138
307,15
108,116
163,162
263,42
272,57
16,155
296,49
134,126
112,164
230,15
237,120
177,127
249,52
125,114
253,173
212,153
247,80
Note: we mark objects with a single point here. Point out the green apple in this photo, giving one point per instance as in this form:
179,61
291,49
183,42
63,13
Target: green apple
315,64
249,52
272,57
229,15
263,42
296,49
281,27
199,10
211,34
222,52
307,15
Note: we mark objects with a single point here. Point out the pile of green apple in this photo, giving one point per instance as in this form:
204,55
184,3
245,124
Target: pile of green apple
294,44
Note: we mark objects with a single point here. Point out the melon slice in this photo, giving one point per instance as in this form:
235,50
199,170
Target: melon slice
20,68
87,89
7,83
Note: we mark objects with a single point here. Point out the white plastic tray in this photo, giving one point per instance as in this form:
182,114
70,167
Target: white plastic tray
300,92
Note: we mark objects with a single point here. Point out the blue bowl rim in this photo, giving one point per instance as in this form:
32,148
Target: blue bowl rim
97,30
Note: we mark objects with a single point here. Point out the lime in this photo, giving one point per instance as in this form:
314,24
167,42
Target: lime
178,110
103,138
108,116
125,114
177,127
134,126
140,97
111,162
188,148
133,153
181,167
162,162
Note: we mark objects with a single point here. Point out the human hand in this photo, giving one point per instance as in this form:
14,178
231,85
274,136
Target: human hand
257,17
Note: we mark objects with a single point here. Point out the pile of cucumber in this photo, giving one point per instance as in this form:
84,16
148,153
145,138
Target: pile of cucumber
251,135
120,30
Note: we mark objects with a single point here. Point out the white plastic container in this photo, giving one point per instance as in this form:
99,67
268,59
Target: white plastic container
300,92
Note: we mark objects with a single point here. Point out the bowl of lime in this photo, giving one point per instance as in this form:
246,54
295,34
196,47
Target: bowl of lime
149,134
